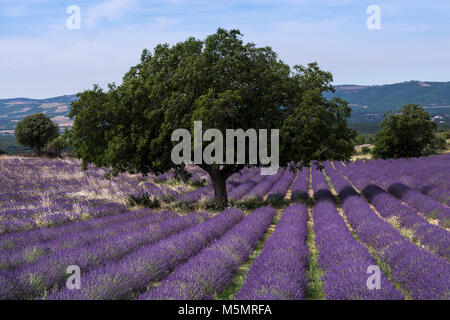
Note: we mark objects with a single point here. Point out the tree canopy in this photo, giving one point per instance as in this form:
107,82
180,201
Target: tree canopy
407,133
226,84
35,131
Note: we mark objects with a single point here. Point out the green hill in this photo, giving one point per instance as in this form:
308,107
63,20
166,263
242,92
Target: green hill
369,103
14,110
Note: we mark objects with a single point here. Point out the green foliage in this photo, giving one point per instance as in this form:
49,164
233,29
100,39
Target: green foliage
182,174
443,134
279,202
144,200
10,146
226,84
2,152
365,150
56,146
364,138
437,144
198,183
314,128
366,127
35,131
409,133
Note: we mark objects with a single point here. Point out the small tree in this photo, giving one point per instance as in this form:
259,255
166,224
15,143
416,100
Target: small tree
55,147
408,133
35,131
226,84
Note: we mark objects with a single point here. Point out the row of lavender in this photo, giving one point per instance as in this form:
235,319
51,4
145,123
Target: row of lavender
279,272
30,246
417,175
129,276
420,273
122,261
149,263
175,248
433,170
34,278
343,260
414,181
249,184
413,192
436,239
213,268
37,193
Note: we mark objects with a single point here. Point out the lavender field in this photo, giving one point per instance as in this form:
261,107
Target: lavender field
311,234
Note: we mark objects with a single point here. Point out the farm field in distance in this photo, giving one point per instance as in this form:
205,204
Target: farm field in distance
312,234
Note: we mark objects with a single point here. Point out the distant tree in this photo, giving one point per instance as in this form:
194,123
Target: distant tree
2,152
55,147
365,150
35,131
364,138
447,134
226,84
407,133
436,145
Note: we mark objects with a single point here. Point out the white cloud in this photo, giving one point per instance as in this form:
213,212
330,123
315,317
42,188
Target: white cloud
15,11
109,10
54,61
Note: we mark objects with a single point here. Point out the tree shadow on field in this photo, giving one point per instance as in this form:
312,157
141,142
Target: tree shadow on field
346,193
324,195
371,191
398,189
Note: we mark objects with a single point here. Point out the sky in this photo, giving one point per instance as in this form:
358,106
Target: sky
41,57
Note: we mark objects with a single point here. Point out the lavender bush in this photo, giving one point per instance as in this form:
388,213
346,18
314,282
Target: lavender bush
41,276
279,272
211,270
343,260
420,273
138,270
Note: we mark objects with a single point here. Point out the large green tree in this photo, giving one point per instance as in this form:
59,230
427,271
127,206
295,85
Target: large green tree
406,133
226,84
35,131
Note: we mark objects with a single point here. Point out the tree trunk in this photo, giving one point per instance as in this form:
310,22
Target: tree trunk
220,189
37,151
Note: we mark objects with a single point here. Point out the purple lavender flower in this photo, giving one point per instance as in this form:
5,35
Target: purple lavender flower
212,269
49,271
279,271
419,272
343,260
151,263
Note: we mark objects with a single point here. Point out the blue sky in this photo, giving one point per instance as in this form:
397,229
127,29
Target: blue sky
40,57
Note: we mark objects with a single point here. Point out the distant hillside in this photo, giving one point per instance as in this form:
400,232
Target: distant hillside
14,110
369,103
